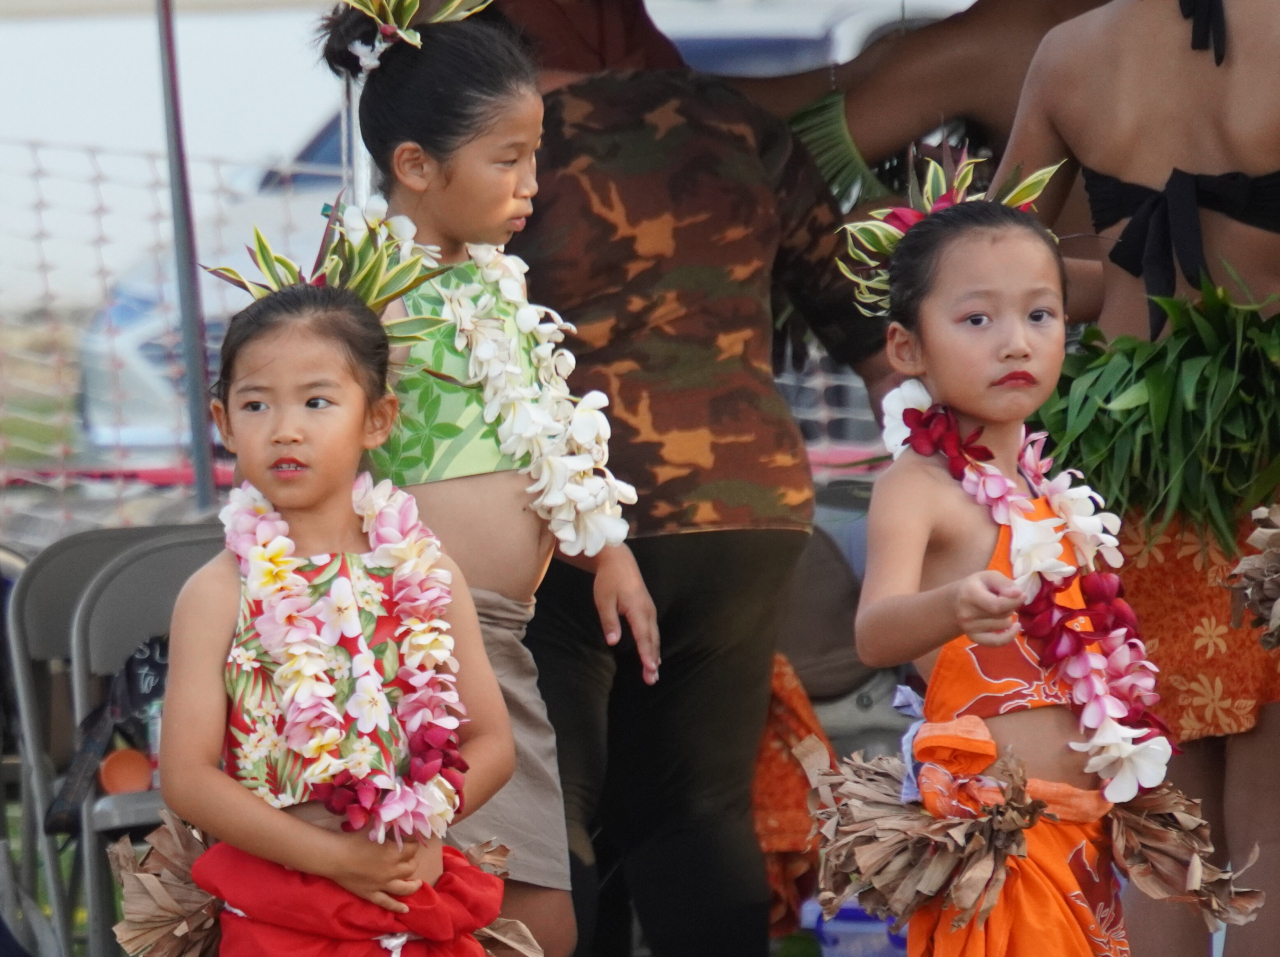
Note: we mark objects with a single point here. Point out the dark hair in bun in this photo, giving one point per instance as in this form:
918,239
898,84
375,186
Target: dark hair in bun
439,96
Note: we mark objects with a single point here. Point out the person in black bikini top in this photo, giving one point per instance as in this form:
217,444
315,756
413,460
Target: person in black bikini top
1179,149
1161,135
1164,225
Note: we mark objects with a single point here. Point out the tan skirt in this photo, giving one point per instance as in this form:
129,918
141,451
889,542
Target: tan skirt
527,815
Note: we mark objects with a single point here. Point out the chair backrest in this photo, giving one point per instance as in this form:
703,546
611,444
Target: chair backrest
44,597
132,599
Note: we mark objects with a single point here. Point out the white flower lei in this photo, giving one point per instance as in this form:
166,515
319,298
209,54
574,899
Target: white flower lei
298,633
566,439
1035,555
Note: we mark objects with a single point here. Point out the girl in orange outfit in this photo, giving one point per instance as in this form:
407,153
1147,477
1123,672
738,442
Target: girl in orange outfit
969,538
979,321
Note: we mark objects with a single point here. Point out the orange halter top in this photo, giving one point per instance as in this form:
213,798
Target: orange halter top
973,679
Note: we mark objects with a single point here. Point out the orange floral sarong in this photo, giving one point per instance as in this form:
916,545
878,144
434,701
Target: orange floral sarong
1063,898
1213,678
780,800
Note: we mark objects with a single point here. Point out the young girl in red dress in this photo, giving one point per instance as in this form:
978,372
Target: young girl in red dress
330,710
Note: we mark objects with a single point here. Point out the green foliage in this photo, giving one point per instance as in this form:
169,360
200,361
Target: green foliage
399,14
824,130
1187,427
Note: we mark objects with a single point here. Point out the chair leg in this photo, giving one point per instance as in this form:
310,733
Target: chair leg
98,897
27,874
32,749
10,908
44,847
76,884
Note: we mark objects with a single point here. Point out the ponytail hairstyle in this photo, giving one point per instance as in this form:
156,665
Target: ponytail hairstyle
331,312
915,258
440,95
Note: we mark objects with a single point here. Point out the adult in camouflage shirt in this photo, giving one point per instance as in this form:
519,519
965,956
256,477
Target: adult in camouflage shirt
668,207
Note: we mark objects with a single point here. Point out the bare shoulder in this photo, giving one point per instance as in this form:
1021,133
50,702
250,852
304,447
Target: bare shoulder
1075,47
212,593
913,485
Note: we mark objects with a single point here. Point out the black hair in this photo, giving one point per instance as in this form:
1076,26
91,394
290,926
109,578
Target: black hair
440,96
915,260
329,311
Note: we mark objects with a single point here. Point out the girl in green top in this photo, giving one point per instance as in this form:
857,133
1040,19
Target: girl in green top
506,465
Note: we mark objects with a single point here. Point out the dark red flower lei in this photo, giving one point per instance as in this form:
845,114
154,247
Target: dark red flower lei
1043,621
433,750
938,431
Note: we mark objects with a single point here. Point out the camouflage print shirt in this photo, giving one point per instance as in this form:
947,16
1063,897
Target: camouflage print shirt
668,206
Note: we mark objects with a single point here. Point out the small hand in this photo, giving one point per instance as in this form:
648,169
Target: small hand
374,871
985,603
620,590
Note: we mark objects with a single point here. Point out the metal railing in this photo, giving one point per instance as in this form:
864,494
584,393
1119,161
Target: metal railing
93,424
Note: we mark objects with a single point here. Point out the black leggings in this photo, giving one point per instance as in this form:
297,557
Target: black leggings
667,770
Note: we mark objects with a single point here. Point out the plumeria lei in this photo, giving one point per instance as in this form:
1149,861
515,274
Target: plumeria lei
1097,649
299,630
564,440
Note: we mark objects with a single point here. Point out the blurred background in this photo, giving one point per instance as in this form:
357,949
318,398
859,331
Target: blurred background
93,423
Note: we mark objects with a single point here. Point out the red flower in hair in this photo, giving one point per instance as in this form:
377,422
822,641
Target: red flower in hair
903,218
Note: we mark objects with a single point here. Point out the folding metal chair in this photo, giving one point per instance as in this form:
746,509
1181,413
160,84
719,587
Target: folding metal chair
38,629
127,602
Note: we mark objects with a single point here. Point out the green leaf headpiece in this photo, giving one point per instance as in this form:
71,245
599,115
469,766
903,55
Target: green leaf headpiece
363,251
872,241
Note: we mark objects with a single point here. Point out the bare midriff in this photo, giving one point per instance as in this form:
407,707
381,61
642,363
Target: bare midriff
488,526
1039,737
428,864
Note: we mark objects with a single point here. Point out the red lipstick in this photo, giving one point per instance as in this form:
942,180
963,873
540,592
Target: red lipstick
287,467
1016,378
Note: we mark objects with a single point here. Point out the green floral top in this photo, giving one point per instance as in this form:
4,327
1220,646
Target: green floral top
441,432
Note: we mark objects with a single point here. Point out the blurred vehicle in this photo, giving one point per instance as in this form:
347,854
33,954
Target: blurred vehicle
132,375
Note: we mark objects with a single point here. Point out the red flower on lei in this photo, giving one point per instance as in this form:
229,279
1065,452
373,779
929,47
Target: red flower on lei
937,431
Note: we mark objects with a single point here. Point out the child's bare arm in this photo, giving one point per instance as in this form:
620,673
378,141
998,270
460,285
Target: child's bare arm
896,621
487,745
194,787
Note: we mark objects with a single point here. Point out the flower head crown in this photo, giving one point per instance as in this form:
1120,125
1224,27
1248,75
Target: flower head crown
872,241
362,250
394,19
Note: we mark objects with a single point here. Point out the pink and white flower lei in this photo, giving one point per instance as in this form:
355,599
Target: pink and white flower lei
1113,686
298,633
